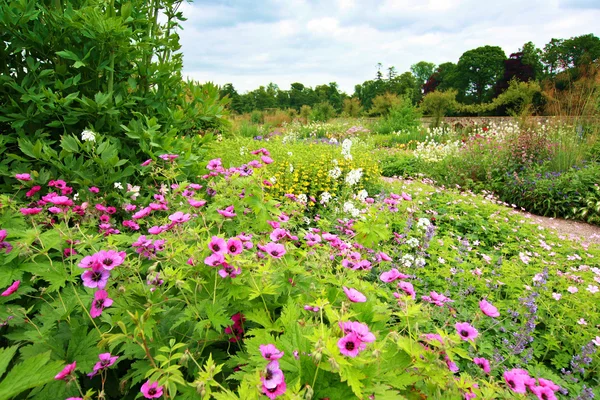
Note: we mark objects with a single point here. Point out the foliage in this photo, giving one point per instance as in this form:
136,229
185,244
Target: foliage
352,107
403,117
97,66
322,112
439,104
478,70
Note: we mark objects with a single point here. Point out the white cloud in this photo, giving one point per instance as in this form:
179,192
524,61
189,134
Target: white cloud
251,43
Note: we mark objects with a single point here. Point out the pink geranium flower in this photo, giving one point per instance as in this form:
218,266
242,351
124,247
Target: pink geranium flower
354,295
266,159
11,289
359,329
67,370
278,390
96,277
275,250
214,260
146,163
151,390
273,375
228,212
214,164
110,259
407,288
23,177
350,345
31,211
33,191
235,246
270,352
106,360
100,302
488,309
466,331
168,157
180,217
483,363
518,380
217,245
392,275
229,271
196,203
543,393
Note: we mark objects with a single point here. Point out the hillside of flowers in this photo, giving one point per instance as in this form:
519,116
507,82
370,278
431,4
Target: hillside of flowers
251,281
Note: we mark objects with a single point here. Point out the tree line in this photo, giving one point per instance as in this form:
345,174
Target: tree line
479,77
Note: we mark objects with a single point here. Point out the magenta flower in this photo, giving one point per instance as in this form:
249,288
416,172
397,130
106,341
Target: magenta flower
196,203
214,260
106,360
488,309
100,302
74,398
392,275
548,383
217,245
312,239
275,250
466,331
434,336
407,288
146,163
235,246
33,191
31,211
228,212
156,230
483,363
23,177
151,390
67,370
168,157
110,258
543,393
214,164
273,375
384,257
518,380
359,329
278,390
270,352
350,345
96,277
179,217
451,365
278,234
354,295
229,271
94,190
11,289
308,307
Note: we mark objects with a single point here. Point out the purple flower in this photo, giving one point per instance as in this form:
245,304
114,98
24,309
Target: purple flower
483,363
270,352
350,345
273,375
235,246
11,289
354,295
488,309
466,331
151,390
100,302
106,360
95,277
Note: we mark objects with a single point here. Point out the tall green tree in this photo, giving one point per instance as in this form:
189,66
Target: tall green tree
478,71
422,71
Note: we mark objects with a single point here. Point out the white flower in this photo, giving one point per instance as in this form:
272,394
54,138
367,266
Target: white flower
325,197
353,176
556,296
572,289
76,196
335,173
291,168
441,260
350,209
592,289
362,195
88,136
134,190
412,242
302,198
273,180
243,151
118,185
423,223
346,146
290,153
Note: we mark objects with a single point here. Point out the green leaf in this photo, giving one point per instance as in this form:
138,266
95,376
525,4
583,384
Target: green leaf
33,372
5,356
70,144
69,55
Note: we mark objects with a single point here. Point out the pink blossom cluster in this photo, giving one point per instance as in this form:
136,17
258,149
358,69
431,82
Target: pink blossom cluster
357,335
237,329
519,381
273,379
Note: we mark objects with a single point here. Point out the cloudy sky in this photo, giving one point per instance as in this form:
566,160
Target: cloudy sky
253,42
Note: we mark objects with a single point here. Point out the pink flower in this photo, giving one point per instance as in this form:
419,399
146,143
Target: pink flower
67,370
147,162
229,271
106,360
270,352
61,201
94,189
180,217
572,289
100,302
308,307
354,295
74,398
549,384
466,331
392,275
278,390
228,212
168,157
483,363
350,345
383,256
196,203
266,159
214,260
451,365
235,246
110,258
31,211
407,288
273,375
151,390
214,164
359,329
156,230
33,191
406,196
488,309
96,277
556,296
517,380
543,393
434,336
275,250
11,289
217,245
23,177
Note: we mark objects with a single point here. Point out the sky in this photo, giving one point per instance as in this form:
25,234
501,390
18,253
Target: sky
250,43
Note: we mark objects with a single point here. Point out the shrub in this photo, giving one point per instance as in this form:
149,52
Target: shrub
351,107
438,104
403,117
322,112
305,112
383,103
257,117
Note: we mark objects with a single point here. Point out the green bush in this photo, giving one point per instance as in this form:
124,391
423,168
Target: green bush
403,117
99,66
322,112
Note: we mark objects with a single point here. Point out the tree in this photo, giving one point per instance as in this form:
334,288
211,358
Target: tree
422,71
352,107
236,103
438,104
532,56
562,54
479,70
443,78
514,69
383,103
